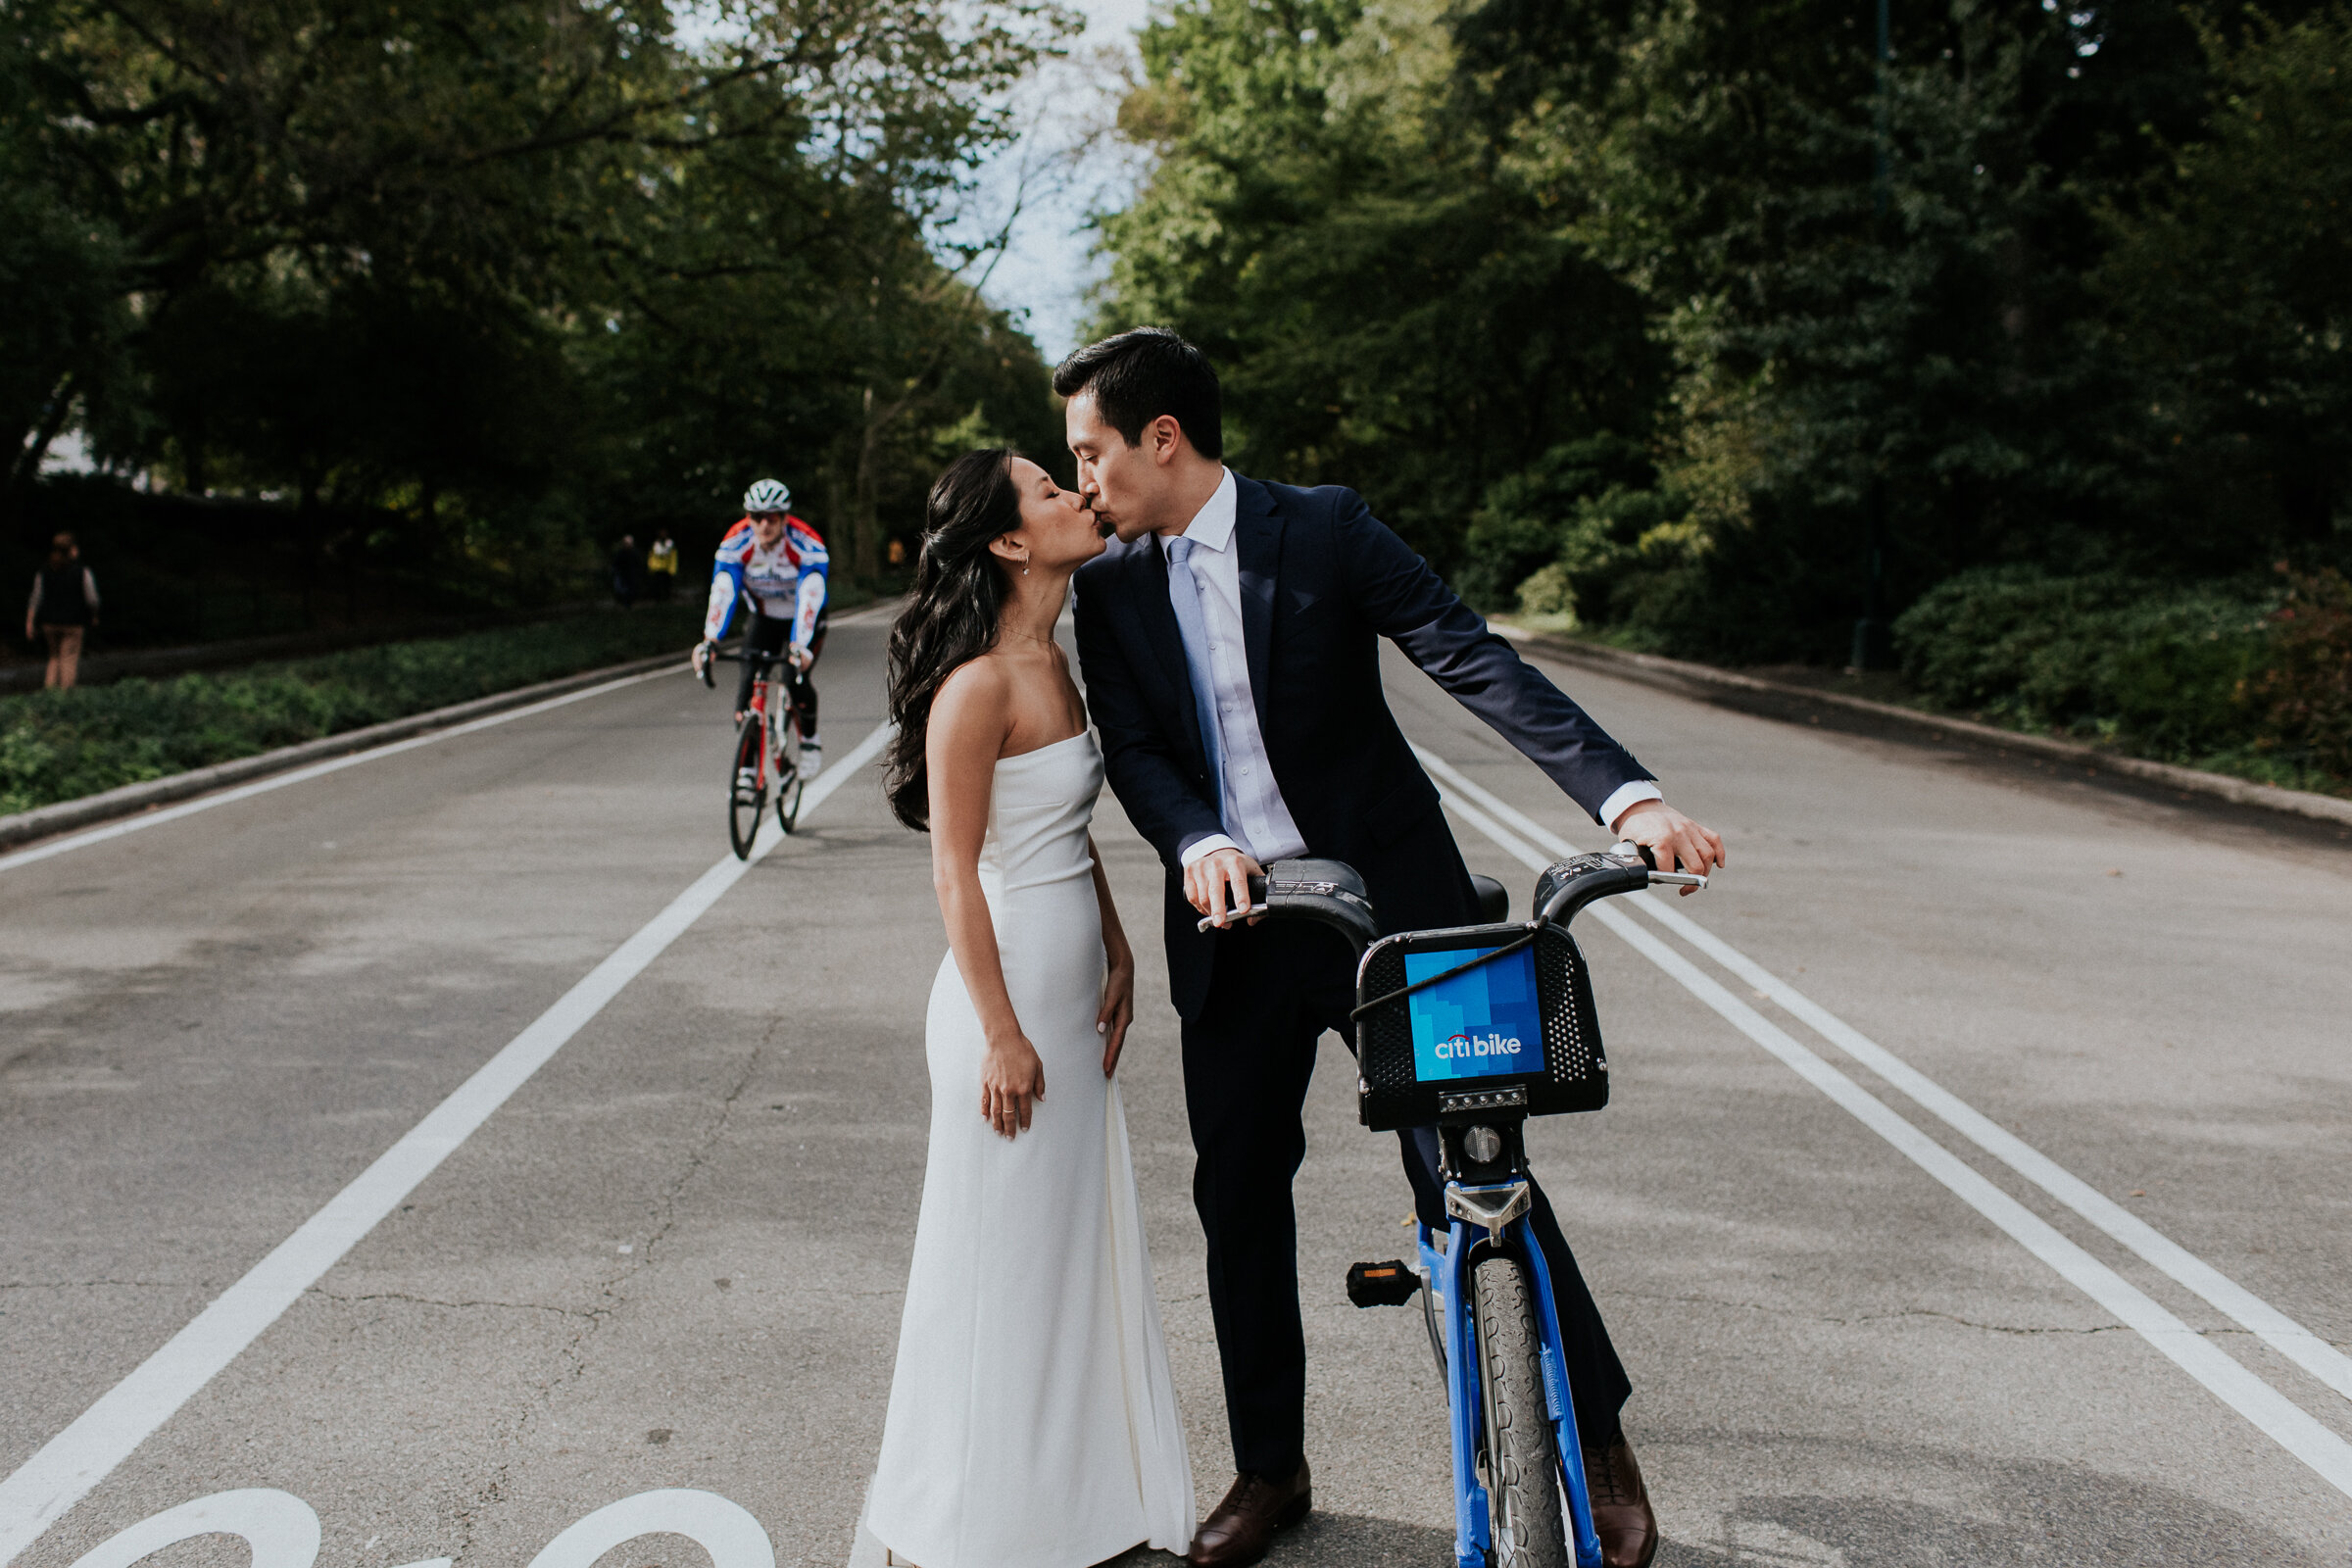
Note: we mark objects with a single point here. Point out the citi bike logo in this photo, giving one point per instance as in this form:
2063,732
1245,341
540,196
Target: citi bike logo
1460,1048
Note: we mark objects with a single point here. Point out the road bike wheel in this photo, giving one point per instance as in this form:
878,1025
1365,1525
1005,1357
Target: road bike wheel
1523,1467
746,800
788,772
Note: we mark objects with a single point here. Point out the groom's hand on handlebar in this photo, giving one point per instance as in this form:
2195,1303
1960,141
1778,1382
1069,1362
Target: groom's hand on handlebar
1676,842
1218,884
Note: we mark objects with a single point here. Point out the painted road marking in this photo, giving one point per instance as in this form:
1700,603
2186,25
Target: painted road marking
284,1531
2274,1328
280,1528
69,1464
303,775
2278,1417
726,1530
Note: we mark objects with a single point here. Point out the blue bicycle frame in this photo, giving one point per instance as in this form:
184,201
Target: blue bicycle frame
1446,1272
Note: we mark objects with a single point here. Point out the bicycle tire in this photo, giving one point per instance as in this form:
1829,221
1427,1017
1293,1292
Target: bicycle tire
1525,1509
788,782
744,806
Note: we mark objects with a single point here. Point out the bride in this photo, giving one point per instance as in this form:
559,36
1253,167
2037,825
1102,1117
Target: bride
1032,1420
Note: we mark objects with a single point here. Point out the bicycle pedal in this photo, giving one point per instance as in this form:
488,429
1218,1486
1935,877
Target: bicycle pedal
1389,1283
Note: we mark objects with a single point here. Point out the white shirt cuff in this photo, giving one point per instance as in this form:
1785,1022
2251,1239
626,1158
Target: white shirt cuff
1208,846
1627,796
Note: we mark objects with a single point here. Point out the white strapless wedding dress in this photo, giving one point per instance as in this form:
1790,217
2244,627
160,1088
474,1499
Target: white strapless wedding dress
1032,1420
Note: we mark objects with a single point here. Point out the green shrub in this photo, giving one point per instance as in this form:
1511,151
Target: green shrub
1547,600
60,745
1525,517
2155,666
1624,551
2304,690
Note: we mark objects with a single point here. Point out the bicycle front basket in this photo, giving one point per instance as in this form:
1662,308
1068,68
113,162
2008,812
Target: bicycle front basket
1516,1033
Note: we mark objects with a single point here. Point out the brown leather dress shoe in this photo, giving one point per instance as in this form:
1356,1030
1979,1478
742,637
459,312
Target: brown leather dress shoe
1621,1516
1242,1525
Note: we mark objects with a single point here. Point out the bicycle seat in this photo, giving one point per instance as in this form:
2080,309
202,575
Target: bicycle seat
1493,900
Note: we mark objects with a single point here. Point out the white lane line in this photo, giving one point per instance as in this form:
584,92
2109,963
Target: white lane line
2274,1328
2278,1417
303,775
872,612
101,1437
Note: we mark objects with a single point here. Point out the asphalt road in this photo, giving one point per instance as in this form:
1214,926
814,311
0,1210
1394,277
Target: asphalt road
671,1256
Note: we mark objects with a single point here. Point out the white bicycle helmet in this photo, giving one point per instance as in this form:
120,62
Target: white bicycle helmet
769,495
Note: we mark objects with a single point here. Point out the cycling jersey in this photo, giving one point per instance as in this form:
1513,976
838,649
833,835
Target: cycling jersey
786,582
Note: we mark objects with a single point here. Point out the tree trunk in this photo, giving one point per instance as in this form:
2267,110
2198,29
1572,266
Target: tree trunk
864,564
306,530
44,436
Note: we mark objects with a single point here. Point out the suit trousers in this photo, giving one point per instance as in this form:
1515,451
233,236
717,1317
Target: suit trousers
1247,1059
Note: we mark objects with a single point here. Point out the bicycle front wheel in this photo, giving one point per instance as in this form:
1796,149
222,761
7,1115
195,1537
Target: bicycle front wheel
747,786
788,772
1523,1465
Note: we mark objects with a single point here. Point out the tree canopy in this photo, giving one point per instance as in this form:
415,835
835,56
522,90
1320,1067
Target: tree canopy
509,275
1671,315
1658,309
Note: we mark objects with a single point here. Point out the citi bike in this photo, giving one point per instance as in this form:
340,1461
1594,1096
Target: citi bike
1473,1029
768,749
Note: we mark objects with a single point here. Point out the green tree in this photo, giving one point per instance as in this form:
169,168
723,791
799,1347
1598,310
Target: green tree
2231,284
62,313
1441,250
1387,311
497,270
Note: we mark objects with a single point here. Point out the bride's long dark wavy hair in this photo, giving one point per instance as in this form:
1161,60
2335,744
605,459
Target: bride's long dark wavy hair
952,614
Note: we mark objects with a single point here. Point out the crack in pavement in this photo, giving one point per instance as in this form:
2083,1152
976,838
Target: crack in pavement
1877,1317
613,1293
91,1285
1972,1323
432,1301
2224,1332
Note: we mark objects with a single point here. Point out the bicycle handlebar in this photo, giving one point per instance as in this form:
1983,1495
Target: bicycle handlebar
739,656
1566,887
1331,893
1325,891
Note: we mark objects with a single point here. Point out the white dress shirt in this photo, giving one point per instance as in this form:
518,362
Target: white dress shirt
1252,802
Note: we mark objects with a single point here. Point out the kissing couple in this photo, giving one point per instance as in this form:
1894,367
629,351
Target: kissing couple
1228,640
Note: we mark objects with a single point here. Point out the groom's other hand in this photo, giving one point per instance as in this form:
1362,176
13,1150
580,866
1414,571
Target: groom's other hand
1218,884
1673,839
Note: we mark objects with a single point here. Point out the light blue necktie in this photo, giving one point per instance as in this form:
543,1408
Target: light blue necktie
1185,595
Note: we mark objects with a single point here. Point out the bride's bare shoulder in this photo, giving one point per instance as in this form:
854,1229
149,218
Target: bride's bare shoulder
976,693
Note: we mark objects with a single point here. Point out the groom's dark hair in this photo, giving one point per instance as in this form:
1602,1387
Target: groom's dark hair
1143,373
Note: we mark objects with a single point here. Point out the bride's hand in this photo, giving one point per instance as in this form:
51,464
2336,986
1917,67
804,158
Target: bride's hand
1012,1079
1118,1009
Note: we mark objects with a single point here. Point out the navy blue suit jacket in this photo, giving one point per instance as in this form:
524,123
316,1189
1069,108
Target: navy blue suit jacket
1322,581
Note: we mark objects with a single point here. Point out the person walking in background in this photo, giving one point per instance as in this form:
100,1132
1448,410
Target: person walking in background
625,572
662,568
63,607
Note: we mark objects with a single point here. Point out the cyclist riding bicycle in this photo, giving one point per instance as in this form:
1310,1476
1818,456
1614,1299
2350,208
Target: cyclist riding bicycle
775,564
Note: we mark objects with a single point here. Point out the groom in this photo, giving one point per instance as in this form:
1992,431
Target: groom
1230,642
